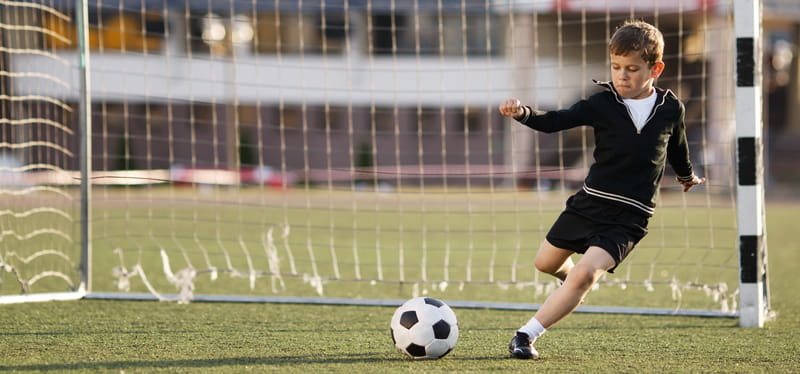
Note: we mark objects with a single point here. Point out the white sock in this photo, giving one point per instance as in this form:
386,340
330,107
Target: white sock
533,328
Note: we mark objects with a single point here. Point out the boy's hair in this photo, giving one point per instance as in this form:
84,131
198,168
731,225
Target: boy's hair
638,36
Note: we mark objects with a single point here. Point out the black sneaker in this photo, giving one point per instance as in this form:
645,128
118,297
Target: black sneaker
521,347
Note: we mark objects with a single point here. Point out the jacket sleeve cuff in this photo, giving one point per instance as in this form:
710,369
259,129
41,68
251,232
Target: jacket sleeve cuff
528,113
688,178
525,115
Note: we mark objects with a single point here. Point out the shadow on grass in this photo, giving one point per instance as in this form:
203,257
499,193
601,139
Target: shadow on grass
204,363
281,361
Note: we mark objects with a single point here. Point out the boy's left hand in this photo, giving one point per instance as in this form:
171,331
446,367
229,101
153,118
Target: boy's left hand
695,181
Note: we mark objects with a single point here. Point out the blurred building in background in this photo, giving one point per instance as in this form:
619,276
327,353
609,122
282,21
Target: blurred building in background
232,84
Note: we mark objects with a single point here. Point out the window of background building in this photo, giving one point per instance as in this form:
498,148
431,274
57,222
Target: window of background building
292,117
336,119
428,121
389,31
295,33
333,30
470,33
109,30
384,120
469,120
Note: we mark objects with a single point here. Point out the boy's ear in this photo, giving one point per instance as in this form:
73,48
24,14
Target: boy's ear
658,68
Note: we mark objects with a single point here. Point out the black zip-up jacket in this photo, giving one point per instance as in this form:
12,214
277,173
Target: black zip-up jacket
629,163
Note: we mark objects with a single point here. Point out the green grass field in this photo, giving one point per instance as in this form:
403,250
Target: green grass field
147,337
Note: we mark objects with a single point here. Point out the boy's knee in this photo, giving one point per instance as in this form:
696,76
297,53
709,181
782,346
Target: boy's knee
582,276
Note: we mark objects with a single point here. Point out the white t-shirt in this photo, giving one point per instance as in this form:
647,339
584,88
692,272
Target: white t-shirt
640,109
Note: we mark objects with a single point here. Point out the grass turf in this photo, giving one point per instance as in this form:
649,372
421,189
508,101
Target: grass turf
130,337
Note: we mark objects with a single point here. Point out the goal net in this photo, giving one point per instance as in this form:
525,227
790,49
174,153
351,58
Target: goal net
342,150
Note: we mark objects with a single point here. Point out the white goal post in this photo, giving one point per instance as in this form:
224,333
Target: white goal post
351,152
753,281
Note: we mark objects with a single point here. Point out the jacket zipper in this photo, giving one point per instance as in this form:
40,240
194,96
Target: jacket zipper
655,108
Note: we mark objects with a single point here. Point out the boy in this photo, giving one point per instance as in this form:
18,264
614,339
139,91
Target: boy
637,128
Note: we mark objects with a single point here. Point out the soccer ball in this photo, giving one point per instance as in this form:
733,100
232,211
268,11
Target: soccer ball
424,328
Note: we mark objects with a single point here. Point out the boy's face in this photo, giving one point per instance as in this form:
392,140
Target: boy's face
632,77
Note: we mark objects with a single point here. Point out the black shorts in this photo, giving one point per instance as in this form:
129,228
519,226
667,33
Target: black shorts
588,221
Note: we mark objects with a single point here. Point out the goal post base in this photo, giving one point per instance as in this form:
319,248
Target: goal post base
41,297
754,305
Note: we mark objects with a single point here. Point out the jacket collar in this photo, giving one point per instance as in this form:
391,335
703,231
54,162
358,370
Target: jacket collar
661,94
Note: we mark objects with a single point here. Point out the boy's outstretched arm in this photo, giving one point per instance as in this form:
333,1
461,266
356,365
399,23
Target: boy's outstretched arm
687,185
543,121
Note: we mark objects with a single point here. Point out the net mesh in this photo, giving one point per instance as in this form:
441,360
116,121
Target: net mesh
38,221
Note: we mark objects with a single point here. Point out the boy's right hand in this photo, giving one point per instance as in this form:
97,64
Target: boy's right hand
511,108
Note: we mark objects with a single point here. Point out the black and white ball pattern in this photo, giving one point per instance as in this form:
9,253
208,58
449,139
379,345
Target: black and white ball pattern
424,328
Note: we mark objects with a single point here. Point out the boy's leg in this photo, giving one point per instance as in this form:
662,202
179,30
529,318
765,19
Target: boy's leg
553,260
582,277
579,279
